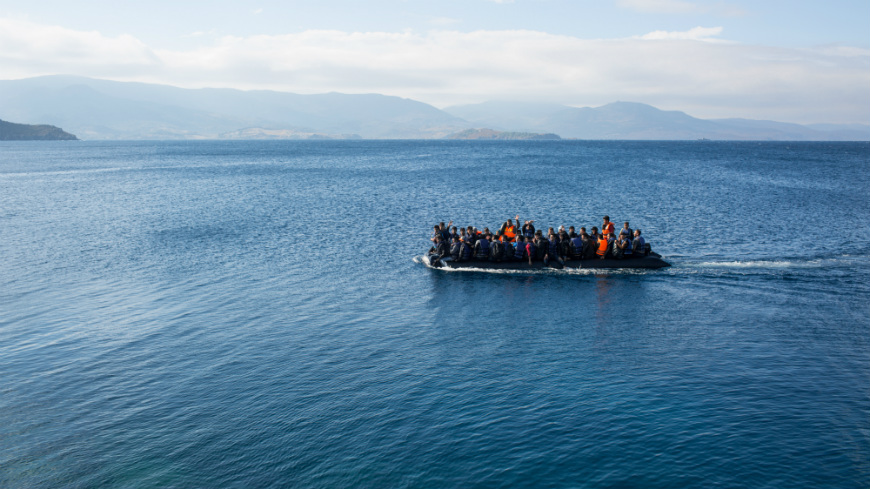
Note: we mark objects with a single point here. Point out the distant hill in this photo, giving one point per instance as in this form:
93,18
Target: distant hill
10,131
101,109
503,135
628,120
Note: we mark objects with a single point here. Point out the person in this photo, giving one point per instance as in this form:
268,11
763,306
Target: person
436,233
508,254
553,251
509,230
456,249
453,235
531,250
520,250
496,249
594,233
575,251
445,230
638,245
608,228
471,236
462,233
618,247
626,230
528,230
441,251
466,251
627,251
588,249
601,251
541,245
481,248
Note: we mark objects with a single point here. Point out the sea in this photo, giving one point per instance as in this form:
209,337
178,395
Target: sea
256,314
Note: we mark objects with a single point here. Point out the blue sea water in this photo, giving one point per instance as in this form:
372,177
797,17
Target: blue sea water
255,314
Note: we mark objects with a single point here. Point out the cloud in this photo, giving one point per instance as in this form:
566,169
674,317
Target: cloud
443,67
696,34
681,7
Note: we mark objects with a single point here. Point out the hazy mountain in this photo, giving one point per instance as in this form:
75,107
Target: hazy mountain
627,120
100,109
10,131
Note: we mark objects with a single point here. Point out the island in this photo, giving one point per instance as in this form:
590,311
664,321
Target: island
505,135
10,131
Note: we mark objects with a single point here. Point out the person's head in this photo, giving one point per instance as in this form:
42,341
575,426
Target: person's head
606,218
442,225
521,238
625,225
582,230
462,231
538,233
437,238
595,229
436,228
549,230
637,232
453,229
570,229
486,231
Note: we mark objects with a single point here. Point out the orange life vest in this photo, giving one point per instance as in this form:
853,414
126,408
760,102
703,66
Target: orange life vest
602,247
510,232
608,228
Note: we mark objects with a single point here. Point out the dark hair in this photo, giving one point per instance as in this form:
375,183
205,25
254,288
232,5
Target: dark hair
607,217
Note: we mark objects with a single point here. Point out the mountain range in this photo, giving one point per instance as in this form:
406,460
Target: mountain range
102,109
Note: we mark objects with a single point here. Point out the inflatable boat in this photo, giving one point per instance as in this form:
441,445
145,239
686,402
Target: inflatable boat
652,260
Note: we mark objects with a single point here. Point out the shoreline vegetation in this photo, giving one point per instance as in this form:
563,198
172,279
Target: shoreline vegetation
11,131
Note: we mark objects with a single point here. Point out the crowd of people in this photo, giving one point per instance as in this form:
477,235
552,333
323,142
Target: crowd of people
512,242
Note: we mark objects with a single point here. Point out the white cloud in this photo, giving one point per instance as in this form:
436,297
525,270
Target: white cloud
442,67
681,7
695,34
660,6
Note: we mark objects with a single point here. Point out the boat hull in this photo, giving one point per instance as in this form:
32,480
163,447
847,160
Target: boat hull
653,260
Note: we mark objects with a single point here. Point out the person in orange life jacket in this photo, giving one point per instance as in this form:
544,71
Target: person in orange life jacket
554,251
603,246
509,230
481,248
608,228
638,245
626,230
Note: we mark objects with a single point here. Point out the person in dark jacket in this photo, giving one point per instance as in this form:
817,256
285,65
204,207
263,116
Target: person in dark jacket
481,248
575,250
528,230
520,249
441,251
554,251
638,244
531,250
496,250
456,249
466,252
509,250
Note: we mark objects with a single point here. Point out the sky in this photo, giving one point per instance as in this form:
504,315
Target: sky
793,61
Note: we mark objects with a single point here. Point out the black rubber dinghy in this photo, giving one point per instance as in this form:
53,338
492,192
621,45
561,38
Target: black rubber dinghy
653,260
